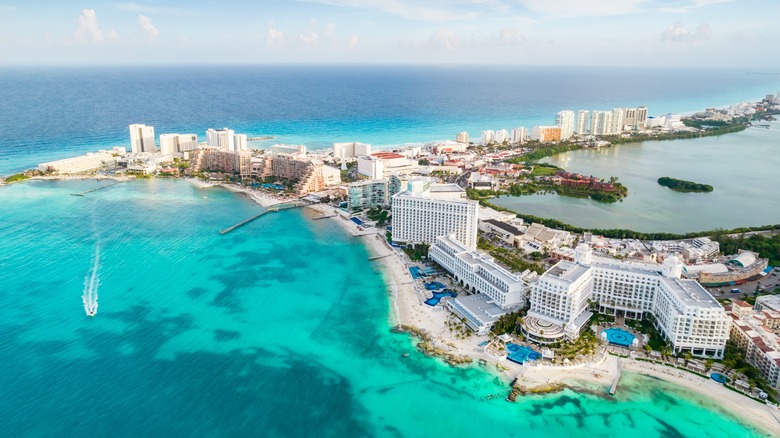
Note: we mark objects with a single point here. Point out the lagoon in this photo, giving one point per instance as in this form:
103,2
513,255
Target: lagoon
742,167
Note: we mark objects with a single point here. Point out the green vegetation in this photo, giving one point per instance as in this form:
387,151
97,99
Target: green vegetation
512,259
585,345
543,150
16,177
768,247
509,323
681,185
655,342
734,359
718,130
378,215
541,169
417,252
619,233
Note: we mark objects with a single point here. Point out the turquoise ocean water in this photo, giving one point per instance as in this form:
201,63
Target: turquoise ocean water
280,328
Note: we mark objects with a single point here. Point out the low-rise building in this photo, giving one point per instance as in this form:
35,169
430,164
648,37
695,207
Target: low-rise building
755,332
81,164
504,231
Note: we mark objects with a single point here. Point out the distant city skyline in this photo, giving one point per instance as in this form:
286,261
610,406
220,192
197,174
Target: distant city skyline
662,33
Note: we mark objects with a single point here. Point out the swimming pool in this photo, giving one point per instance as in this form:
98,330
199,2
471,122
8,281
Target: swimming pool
519,354
618,336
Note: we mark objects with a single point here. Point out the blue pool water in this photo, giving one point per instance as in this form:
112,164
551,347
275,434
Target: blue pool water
520,354
356,220
720,378
434,285
437,297
619,336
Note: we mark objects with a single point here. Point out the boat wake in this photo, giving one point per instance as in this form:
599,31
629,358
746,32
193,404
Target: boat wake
91,284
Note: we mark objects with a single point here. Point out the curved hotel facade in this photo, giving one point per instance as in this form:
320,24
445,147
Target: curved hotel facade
684,313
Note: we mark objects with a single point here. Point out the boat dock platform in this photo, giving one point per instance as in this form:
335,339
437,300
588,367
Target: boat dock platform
324,216
97,188
370,259
616,380
274,209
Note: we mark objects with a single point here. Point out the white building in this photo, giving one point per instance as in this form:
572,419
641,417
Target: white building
462,137
618,120
344,151
565,120
425,211
597,123
478,272
221,138
80,164
488,137
582,125
290,149
684,313
381,165
367,194
501,136
240,142
519,135
142,139
331,175
177,144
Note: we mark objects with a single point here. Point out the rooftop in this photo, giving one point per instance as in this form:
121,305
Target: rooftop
504,226
691,293
567,271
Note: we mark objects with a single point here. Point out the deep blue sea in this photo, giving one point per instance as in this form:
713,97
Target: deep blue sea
54,113
280,328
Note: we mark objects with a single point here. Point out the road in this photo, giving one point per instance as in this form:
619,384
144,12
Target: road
769,283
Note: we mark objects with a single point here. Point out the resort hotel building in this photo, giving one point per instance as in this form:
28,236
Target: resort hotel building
756,331
367,194
683,312
497,291
425,211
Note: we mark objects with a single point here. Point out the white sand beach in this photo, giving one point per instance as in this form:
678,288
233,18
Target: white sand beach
407,308
261,198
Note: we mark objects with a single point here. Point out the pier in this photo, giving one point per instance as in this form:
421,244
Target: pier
324,216
616,380
257,216
371,259
97,188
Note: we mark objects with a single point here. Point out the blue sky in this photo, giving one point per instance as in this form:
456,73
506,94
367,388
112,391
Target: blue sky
690,33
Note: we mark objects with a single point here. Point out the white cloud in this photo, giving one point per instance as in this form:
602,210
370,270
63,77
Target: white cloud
507,35
690,5
112,36
582,8
444,40
353,42
410,9
311,39
678,34
273,37
146,25
145,9
89,29
330,30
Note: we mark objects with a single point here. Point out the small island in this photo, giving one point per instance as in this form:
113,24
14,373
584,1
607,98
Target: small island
680,185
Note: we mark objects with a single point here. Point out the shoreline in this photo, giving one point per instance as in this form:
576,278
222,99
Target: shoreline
406,309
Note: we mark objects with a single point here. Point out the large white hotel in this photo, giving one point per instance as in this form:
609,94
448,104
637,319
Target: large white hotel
425,211
497,291
684,313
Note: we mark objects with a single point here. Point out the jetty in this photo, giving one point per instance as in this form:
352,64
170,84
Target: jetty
370,259
324,216
261,214
97,188
616,380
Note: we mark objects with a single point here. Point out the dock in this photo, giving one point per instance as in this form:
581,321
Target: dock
97,188
370,259
616,380
261,214
324,216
